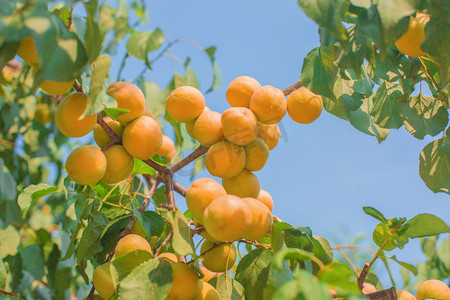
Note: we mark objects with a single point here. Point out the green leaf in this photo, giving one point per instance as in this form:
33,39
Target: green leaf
141,43
253,271
319,71
151,280
228,288
374,213
385,110
392,17
437,34
405,265
141,167
217,76
322,249
114,112
33,193
442,251
93,36
124,265
424,115
99,74
426,225
155,98
384,233
276,238
182,240
305,286
34,261
290,253
339,275
3,274
299,237
9,241
89,244
434,167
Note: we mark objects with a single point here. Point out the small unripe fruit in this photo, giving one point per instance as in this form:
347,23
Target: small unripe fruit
100,135
245,184
86,165
208,128
119,166
185,104
240,126
241,90
130,243
270,134
304,106
225,159
128,96
185,282
103,282
205,291
219,258
142,138
265,198
261,220
268,104
256,154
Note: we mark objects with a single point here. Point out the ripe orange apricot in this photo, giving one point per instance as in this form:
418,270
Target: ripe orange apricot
27,50
170,257
268,104
207,274
167,148
68,113
227,218
225,159
101,137
52,87
147,112
119,164
205,291
245,184
190,129
185,104
433,289
130,243
128,96
220,258
261,220
86,165
410,42
304,106
256,154
185,282
239,125
142,138
208,128
42,113
265,198
103,282
200,194
270,134
204,233
405,295
241,90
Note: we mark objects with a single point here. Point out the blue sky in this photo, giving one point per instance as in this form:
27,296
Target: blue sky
320,175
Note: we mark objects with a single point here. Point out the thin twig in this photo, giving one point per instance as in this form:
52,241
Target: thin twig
254,243
292,88
153,187
362,276
168,179
2,291
188,159
179,189
113,137
349,261
155,166
197,230
164,243
77,87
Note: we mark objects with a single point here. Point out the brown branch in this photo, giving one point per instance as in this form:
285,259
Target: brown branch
164,243
188,159
197,230
292,88
156,166
153,185
77,87
168,179
113,137
362,276
254,243
2,291
214,246
388,294
179,189
353,247
91,294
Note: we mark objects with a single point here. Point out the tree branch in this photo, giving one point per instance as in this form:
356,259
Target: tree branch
77,87
292,88
2,291
113,137
388,294
188,159
179,189
164,243
153,185
156,166
168,179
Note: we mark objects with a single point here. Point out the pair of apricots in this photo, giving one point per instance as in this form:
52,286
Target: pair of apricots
430,289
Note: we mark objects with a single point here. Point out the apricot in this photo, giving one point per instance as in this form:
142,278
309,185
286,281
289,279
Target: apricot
137,229
27,50
142,138
119,165
410,42
42,113
207,274
100,135
241,90
52,87
270,134
170,257
204,233
261,220
86,165
268,104
128,96
147,112
240,126
265,198
227,218
256,154
405,295
433,289
68,116
368,288
185,282
130,243
220,258
205,291
190,129
245,184
167,148
208,128
304,106
185,104
103,282
200,194
225,159
9,73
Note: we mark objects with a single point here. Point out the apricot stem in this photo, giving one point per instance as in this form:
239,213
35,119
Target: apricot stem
179,189
153,184
287,91
164,243
2,291
113,137
188,159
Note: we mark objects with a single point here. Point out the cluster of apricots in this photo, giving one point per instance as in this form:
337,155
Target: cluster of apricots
141,136
430,289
